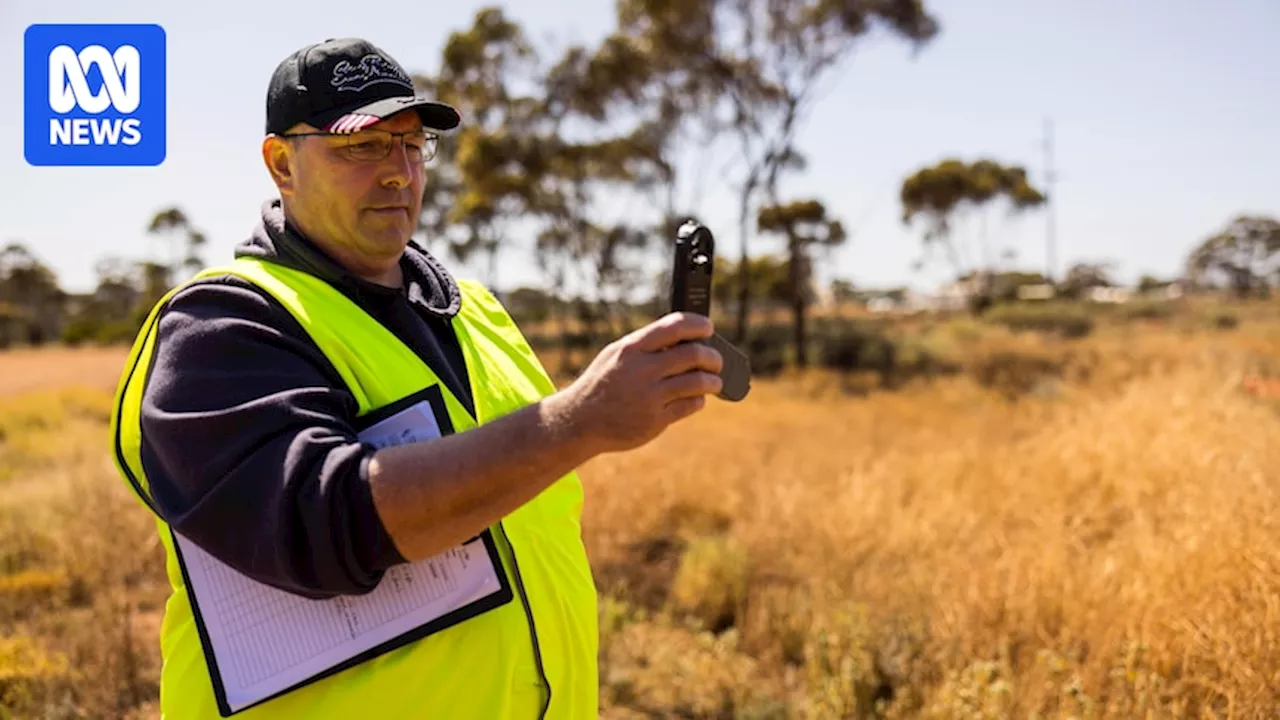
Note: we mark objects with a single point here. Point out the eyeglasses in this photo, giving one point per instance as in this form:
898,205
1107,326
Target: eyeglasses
374,145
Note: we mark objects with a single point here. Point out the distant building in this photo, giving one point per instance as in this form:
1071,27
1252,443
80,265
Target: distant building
1041,291
1110,295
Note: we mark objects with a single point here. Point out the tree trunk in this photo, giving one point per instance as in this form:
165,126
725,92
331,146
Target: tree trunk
801,335
798,302
560,310
1243,281
744,266
492,270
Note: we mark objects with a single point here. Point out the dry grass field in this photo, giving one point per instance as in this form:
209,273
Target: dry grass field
1102,540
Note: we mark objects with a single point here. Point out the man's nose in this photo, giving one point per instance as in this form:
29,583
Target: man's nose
398,163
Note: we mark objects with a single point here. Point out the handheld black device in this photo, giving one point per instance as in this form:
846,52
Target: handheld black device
692,267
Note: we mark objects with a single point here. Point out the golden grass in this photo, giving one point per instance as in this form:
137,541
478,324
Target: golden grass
81,574
1105,549
34,369
1102,541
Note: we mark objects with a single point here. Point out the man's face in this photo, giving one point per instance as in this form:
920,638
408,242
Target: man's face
363,210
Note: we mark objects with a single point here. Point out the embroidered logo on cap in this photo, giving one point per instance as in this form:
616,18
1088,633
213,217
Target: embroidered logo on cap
371,70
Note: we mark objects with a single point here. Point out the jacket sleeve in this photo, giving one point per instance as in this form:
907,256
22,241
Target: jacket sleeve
249,449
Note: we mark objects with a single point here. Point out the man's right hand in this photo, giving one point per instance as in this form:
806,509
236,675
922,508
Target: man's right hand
433,495
643,382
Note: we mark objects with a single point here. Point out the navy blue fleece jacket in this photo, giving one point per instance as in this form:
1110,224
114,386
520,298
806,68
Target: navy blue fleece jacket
247,437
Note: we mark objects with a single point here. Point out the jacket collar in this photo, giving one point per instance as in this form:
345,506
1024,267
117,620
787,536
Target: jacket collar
426,282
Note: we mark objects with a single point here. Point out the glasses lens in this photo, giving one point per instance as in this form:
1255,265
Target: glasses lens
377,144
421,146
369,145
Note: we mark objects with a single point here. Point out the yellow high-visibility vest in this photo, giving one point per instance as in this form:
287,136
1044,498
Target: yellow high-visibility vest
532,657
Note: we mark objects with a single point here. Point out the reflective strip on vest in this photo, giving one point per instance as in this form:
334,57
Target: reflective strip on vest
534,657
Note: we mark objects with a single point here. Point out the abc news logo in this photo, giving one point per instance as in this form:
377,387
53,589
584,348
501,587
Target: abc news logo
95,95
69,89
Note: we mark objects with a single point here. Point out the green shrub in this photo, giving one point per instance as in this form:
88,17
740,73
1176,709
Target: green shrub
1224,320
82,331
1148,310
1014,374
79,331
1064,320
768,347
848,346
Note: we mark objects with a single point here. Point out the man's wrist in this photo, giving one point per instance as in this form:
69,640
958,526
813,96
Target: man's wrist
562,414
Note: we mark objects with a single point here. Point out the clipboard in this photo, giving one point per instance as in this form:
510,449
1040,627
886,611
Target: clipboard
260,642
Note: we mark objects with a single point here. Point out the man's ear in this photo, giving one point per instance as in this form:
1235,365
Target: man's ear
277,155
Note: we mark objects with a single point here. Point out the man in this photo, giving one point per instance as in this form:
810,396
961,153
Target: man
241,409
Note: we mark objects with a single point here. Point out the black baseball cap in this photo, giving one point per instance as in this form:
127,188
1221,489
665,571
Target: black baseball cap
343,85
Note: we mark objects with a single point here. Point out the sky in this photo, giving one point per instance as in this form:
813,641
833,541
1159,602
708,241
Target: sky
1165,125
